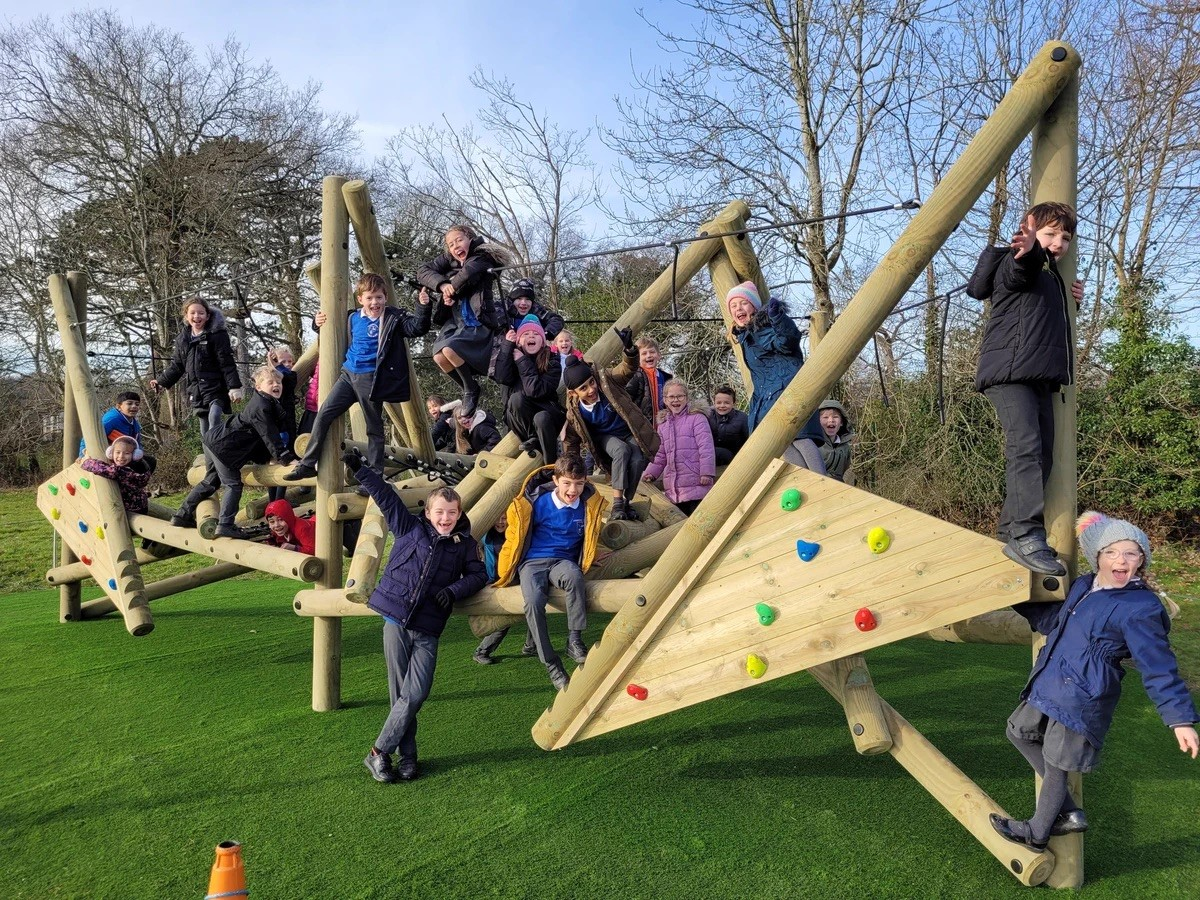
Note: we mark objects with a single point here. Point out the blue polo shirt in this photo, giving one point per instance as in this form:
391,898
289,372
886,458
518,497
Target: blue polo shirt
363,351
556,530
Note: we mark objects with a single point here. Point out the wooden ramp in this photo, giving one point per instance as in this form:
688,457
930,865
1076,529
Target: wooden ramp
87,512
699,642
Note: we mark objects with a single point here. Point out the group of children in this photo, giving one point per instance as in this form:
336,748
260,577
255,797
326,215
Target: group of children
636,422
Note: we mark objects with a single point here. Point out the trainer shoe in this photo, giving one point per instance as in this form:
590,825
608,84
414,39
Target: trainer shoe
558,676
407,770
301,471
232,531
484,659
183,520
1033,554
380,767
577,651
529,649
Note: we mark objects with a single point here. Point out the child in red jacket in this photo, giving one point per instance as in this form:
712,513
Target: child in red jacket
288,531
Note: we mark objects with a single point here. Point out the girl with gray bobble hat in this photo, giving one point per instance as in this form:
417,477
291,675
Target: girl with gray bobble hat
1067,705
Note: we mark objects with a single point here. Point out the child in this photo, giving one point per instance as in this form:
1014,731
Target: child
686,459
1026,353
442,428
835,448
122,420
287,531
646,385
476,433
1068,703
251,436
729,425
375,370
434,563
770,344
522,302
131,474
309,416
204,358
603,417
530,370
491,545
470,315
283,360
553,530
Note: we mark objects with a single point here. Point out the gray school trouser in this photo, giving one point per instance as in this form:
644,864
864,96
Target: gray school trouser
348,390
536,577
1026,412
628,463
411,657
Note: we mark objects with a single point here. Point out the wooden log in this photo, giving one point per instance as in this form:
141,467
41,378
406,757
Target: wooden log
74,573
616,535
745,262
489,507
272,560
335,285
361,210
207,512
636,556
964,182
856,693
68,594
167,587
269,475
491,465
1004,626
257,508
126,585
368,553
662,510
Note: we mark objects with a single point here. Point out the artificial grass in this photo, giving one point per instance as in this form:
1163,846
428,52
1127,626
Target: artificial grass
124,761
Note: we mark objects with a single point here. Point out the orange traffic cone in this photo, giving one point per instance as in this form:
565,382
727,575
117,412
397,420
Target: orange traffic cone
228,877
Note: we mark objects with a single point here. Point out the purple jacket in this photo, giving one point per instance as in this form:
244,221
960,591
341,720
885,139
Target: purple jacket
685,452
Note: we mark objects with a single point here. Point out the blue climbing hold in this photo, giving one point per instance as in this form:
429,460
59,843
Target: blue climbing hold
806,550
83,526
112,584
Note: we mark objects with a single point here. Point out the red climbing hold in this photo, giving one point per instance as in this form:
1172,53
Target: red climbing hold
70,489
863,620
637,692
86,560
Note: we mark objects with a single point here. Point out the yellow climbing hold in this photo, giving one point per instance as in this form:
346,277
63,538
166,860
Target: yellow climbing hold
755,667
878,539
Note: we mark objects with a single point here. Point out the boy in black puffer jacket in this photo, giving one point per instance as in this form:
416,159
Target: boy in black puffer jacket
434,562
1027,352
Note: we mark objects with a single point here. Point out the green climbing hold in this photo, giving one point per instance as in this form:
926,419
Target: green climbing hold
53,490
791,499
85,483
766,615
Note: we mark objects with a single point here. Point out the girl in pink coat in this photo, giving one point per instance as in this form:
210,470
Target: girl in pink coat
686,459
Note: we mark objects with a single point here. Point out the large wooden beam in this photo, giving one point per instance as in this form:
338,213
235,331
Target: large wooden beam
167,587
272,560
68,594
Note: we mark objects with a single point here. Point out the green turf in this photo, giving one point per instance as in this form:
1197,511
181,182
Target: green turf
124,761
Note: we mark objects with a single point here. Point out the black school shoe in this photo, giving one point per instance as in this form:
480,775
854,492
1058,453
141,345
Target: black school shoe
380,767
407,770
1004,828
558,677
232,531
1034,554
577,651
299,472
484,659
1073,822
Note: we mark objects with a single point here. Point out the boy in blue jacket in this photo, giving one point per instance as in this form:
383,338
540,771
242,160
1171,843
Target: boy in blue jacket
434,562
1068,703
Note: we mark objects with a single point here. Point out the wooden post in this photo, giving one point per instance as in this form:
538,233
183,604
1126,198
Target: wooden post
966,180
127,585
335,284
370,248
69,594
856,693
1054,176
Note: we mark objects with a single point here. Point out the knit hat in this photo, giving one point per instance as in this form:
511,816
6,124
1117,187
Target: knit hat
747,291
577,372
1097,531
523,288
530,322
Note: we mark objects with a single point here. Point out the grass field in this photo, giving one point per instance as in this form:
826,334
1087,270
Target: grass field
124,761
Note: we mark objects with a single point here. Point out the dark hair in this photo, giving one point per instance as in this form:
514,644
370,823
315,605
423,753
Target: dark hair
369,281
128,395
570,465
436,398
726,389
1053,213
450,495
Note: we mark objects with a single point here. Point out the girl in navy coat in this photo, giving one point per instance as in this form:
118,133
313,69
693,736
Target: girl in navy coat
434,563
770,343
1068,703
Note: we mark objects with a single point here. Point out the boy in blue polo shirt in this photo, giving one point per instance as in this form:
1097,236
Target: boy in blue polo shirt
375,371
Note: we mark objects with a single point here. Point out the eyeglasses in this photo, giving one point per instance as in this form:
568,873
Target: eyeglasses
1127,555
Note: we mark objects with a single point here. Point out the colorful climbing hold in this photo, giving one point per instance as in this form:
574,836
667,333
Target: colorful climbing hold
755,667
766,615
85,483
864,620
878,539
86,560
637,692
807,550
791,500
53,488
100,532
55,512
83,526
70,489
112,584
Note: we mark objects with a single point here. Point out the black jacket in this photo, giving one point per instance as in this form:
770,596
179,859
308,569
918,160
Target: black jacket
252,436
472,283
639,390
1027,338
522,375
391,365
483,434
206,364
552,323
730,431
443,432
422,563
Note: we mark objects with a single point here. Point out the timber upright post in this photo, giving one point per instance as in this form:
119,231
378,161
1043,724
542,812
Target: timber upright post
69,594
1054,177
335,283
